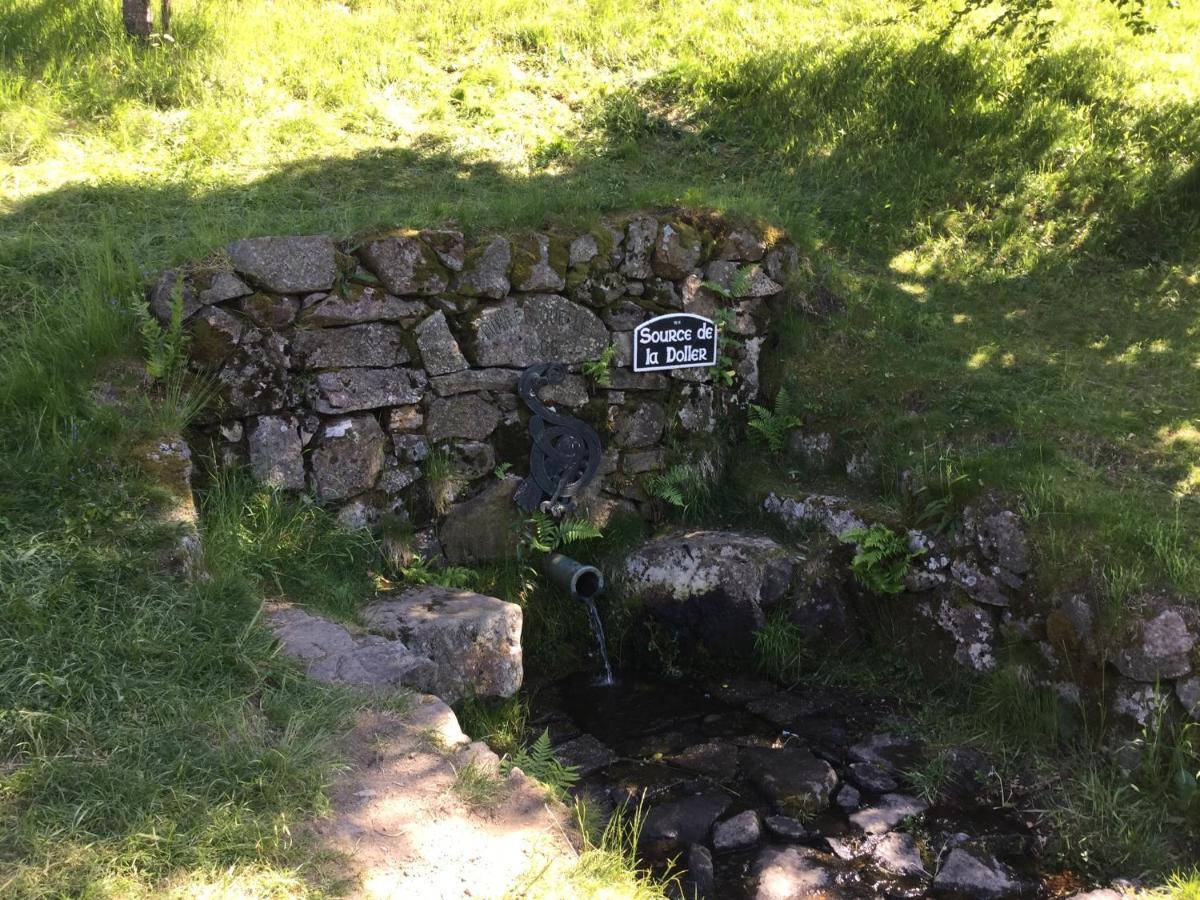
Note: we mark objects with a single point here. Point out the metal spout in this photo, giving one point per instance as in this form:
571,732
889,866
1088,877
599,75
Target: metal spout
582,582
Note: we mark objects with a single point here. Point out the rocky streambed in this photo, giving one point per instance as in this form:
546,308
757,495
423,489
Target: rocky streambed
759,792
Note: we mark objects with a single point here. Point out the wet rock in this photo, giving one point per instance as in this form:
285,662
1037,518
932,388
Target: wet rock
275,452
786,828
330,653
351,390
439,350
484,528
712,584
739,832
373,344
224,286
1160,649
1188,692
715,759
270,310
699,882
631,783
467,416
677,251
1103,894
639,245
585,753
897,854
738,690
685,821
793,779
640,426
962,873
848,798
872,778
405,265
474,640
891,810
543,327
536,266
286,265
473,380
889,752
348,457
361,305
790,872
786,709
485,271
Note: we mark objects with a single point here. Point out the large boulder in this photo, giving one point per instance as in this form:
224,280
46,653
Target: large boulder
473,640
711,585
331,653
286,265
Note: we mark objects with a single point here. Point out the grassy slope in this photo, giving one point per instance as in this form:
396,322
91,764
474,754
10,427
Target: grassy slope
1015,239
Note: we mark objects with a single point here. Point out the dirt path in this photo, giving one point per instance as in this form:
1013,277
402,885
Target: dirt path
405,832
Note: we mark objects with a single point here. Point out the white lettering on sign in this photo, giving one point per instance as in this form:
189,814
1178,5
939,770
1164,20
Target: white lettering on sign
674,341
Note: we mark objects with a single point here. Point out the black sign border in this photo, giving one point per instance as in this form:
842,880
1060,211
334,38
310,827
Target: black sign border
674,315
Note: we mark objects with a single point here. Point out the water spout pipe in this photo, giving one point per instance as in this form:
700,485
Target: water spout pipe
581,581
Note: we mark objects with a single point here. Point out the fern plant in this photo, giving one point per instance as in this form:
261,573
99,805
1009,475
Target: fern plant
165,347
882,558
599,371
683,485
772,426
538,762
544,535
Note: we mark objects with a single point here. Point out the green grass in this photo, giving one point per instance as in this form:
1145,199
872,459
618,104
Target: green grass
1013,238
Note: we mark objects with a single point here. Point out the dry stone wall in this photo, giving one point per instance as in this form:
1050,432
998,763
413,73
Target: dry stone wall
380,373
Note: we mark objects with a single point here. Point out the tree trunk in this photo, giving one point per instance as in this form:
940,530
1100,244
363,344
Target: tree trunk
164,24
139,18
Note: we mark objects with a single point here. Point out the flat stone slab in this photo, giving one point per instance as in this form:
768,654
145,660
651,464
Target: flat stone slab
332,654
793,779
890,812
685,821
585,753
473,640
963,874
286,265
790,872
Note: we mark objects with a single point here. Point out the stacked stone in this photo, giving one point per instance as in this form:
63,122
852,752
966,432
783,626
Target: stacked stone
340,367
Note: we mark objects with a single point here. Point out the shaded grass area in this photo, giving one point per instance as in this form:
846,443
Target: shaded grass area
1013,239
150,740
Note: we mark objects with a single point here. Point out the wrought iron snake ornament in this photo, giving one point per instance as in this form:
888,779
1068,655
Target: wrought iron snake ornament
565,453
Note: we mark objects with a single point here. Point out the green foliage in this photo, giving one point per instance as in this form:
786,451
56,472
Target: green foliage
419,571
600,370
538,762
477,786
443,480
1026,19
502,723
772,427
285,545
685,485
543,534
501,471
165,348
881,558
726,371
780,650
